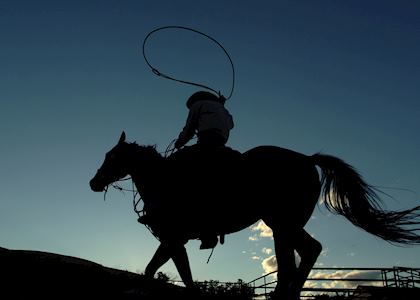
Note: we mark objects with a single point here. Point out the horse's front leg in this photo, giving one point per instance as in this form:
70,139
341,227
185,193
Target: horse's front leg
182,263
161,256
178,253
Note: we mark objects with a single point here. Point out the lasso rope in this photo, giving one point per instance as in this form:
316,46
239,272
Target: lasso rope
158,73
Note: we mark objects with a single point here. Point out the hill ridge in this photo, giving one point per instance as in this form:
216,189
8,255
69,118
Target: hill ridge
30,274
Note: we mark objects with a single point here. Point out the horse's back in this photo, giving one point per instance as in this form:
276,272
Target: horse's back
283,163
275,153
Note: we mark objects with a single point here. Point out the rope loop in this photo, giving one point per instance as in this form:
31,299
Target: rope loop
158,73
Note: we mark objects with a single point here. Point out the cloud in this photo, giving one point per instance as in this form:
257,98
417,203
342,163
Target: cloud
262,230
255,257
253,238
267,251
343,274
269,264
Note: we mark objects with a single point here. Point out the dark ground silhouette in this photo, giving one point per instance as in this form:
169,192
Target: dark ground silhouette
41,275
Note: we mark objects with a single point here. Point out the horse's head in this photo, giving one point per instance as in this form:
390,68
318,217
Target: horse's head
114,167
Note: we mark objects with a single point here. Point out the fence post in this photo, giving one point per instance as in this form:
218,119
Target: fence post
265,287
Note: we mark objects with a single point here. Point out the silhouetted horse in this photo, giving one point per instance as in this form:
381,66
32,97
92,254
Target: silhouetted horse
190,196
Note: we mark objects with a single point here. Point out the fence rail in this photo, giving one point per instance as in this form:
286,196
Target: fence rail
329,281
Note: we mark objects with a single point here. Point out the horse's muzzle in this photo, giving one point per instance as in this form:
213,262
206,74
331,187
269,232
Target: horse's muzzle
95,185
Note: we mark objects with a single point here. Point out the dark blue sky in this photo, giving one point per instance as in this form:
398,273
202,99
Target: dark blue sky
340,77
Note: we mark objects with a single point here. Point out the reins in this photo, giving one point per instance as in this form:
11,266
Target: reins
170,149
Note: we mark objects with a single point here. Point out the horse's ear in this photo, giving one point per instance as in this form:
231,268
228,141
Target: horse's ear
122,138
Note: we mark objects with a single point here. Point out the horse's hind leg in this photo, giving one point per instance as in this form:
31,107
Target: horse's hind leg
308,249
291,278
283,243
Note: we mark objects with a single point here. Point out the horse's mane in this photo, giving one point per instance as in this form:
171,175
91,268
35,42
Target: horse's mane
147,150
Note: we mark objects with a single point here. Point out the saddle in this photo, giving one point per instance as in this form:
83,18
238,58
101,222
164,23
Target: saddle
223,156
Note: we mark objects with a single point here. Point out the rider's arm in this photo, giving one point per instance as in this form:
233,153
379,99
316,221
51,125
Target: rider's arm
190,126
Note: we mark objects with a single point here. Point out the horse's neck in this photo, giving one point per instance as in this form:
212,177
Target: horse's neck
146,176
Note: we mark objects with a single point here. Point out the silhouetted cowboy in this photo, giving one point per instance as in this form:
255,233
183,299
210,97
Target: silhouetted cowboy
211,122
208,118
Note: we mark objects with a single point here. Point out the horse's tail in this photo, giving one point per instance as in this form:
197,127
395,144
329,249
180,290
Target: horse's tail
346,193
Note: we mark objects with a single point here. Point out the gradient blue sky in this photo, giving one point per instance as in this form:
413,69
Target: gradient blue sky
340,77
